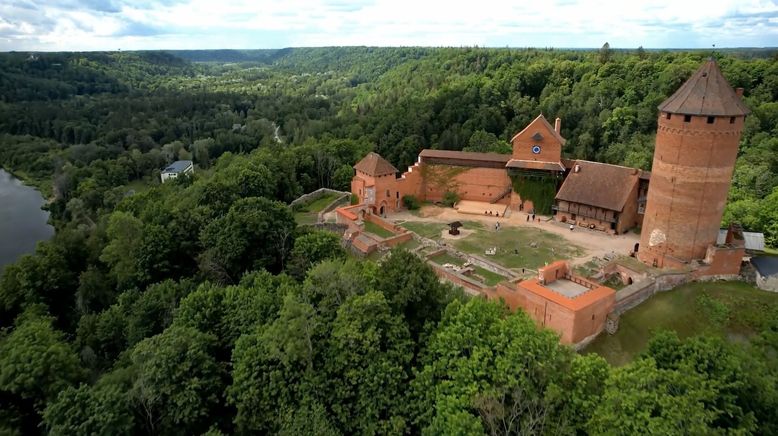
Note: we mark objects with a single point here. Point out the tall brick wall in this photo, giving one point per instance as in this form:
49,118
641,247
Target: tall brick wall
477,184
550,273
590,320
574,324
721,262
690,179
388,190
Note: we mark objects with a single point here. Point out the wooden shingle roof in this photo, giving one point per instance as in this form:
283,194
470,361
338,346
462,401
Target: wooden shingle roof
374,165
707,92
598,184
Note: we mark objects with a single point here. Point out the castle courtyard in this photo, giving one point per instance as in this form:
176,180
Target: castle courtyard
554,240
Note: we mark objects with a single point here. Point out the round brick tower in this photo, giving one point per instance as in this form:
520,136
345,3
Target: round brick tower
697,141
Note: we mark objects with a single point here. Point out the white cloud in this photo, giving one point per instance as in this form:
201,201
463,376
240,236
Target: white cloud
258,24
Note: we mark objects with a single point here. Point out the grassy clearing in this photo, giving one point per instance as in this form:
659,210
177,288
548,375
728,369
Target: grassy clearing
377,230
447,258
424,229
489,278
734,310
308,213
410,245
318,204
305,218
549,247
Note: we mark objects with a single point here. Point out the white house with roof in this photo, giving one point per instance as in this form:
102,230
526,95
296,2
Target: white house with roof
175,169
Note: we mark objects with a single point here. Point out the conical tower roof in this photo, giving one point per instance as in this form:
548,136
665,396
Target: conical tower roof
707,92
375,165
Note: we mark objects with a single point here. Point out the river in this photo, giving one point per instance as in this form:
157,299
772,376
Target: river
22,221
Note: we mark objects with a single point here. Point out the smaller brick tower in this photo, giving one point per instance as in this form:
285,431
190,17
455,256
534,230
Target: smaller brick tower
697,140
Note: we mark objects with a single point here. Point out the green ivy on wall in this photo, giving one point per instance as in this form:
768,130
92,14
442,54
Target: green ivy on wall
538,188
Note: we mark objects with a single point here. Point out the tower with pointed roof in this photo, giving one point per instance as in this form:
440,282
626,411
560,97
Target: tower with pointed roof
697,139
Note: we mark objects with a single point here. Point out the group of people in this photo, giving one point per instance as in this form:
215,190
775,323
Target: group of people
489,213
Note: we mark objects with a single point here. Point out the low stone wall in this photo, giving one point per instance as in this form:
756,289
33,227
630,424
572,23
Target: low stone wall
361,247
625,273
665,282
386,225
331,227
305,198
638,292
471,286
343,199
489,266
397,240
634,294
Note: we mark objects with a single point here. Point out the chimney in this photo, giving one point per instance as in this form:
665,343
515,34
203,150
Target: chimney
739,92
558,125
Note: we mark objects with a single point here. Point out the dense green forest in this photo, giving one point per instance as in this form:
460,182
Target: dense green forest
199,306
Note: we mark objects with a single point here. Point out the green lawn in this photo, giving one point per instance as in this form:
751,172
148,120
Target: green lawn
318,204
305,218
424,229
308,213
734,310
444,258
377,230
490,278
410,245
550,247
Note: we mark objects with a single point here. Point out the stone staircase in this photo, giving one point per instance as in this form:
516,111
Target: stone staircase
507,191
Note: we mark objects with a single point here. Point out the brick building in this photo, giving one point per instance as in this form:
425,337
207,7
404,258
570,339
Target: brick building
571,305
602,196
493,178
679,204
377,186
697,139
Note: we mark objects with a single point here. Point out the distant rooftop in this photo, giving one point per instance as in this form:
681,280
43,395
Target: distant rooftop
754,241
178,166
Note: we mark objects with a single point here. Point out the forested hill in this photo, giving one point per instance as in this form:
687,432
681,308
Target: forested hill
200,306
395,101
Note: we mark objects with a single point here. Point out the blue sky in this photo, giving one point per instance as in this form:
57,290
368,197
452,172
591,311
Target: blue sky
203,24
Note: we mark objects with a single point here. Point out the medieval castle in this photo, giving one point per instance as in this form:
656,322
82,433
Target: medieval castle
678,205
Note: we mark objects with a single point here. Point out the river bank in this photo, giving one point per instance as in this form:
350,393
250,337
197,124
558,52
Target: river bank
23,221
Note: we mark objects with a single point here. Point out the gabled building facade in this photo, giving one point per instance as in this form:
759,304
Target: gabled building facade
601,196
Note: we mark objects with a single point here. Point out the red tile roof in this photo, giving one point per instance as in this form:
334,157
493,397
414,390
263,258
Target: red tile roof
374,165
707,92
